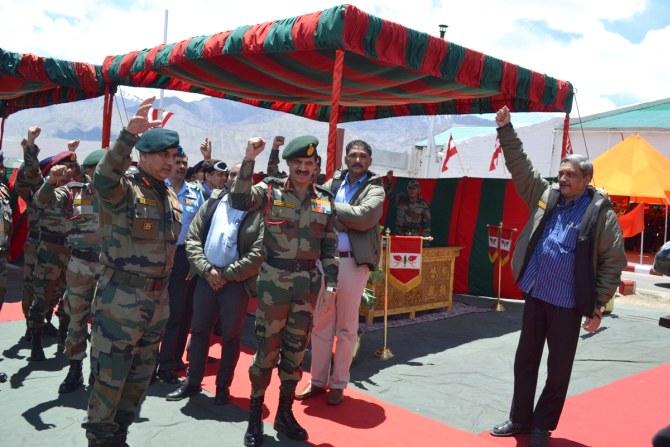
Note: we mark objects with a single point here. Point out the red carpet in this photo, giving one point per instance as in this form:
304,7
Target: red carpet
360,417
625,413
11,312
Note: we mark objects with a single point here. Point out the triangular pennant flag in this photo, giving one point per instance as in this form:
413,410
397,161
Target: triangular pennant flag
156,115
448,153
496,153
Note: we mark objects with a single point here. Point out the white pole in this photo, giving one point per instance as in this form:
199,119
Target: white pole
165,27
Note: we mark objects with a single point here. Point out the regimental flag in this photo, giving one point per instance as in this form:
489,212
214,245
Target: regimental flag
497,150
405,262
493,243
449,152
505,244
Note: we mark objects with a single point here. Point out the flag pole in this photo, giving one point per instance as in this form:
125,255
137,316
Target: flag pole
499,306
384,353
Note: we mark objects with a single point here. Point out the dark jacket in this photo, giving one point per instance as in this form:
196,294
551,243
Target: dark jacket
599,254
249,245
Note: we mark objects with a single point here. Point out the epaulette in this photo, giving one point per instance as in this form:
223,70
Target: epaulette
216,193
325,191
74,184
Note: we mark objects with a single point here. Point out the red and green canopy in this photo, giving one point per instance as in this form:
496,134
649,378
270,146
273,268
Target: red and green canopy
340,65
388,70
28,81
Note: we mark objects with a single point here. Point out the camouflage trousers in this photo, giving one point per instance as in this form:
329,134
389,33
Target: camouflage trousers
49,283
29,261
128,323
82,276
283,321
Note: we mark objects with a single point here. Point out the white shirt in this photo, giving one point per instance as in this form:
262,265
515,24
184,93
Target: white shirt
221,244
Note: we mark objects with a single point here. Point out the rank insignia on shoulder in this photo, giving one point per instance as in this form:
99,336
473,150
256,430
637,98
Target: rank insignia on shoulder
541,204
321,206
80,201
147,201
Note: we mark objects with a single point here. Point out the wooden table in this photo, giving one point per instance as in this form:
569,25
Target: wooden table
434,292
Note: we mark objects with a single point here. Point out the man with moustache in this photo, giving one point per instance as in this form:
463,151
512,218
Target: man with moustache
140,221
181,285
298,217
359,202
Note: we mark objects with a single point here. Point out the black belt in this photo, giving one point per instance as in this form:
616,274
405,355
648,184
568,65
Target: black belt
34,235
345,254
53,238
86,255
136,281
292,265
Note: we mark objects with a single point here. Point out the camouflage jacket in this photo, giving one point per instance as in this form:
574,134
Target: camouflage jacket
140,217
28,181
6,215
78,203
294,229
413,218
52,220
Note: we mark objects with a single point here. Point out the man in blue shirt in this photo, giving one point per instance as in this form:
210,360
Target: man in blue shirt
180,288
359,201
568,263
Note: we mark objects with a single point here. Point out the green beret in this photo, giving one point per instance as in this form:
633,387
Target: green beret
157,139
94,157
304,146
413,184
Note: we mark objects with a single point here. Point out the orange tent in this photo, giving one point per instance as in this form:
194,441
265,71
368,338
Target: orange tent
634,168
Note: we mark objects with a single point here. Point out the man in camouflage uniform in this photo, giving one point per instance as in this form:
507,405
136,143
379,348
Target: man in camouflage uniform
140,220
52,255
5,229
298,232
413,213
79,204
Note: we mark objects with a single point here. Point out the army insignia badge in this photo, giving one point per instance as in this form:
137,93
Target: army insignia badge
321,206
310,150
147,226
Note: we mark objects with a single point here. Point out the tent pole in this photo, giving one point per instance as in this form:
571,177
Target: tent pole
566,130
334,113
641,246
106,118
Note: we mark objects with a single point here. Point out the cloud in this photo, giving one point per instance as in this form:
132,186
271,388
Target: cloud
571,40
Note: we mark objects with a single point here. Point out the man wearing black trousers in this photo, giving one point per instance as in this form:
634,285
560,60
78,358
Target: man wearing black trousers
180,288
568,263
225,249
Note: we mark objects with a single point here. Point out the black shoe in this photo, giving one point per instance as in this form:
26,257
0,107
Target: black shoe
183,391
222,396
3,377
168,377
73,380
509,428
28,336
254,435
50,330
539,438
36,351
285,421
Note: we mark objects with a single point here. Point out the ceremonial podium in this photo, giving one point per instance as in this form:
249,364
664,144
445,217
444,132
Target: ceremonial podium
434,292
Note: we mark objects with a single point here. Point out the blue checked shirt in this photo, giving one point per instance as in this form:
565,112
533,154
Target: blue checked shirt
550,273
344,195
190,198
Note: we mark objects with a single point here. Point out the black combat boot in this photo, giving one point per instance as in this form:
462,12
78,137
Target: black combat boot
254,435
36,351
73,380
285,421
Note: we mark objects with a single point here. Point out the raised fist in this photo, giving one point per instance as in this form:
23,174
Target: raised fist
255,146
33,133
503,117
278,141
59,174
72,145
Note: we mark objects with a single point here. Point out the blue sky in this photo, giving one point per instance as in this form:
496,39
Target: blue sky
655,16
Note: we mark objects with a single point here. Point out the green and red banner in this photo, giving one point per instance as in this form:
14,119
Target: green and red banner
461,209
